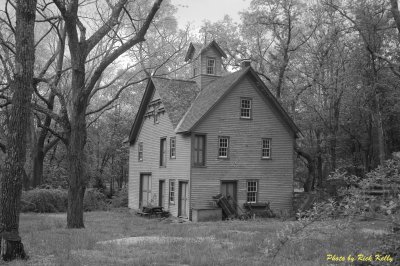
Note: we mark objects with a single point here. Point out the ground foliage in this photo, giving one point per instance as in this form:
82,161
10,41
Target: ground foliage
53,200
373,197
233,242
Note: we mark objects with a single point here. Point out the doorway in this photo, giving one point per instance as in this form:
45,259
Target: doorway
145,190
183,199
229,190
161,194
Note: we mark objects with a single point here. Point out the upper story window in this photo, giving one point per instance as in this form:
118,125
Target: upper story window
199,150
252,188
172,148
194,71
210,66
223,147
245,108
163,150
266,149
140,151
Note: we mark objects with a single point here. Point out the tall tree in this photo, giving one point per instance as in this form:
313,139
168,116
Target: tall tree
13,170
73,118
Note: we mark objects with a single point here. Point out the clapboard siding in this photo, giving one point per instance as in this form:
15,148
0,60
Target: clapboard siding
176,169
202,78
275,175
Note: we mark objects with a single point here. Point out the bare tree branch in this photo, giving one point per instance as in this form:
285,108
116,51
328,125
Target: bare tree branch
107,26
48,112
50,145
3,147
115,96
139,37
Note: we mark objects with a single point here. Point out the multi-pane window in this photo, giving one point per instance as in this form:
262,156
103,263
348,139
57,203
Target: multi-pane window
163,150
172,191
199,147
211,66
252,187
266,148
172,148
140,151
245,108
223,147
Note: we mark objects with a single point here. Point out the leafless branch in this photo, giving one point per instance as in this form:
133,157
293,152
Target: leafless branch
116,96
139,37
50,145
3,147
103,30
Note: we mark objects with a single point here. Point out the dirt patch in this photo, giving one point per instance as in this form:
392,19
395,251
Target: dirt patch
242,232
154,239
378,232
168,239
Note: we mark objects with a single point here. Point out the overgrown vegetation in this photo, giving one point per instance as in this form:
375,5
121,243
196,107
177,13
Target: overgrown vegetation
51,200
374,197
233,243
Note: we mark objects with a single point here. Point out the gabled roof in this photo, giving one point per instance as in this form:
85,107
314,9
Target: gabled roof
215,91
195,49
186,105
207,98
176,96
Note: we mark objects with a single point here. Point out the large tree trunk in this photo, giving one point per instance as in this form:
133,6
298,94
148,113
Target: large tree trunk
76,171
75,127
308,184
75,150
13,172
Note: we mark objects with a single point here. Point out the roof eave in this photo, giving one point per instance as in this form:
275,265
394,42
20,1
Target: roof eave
140,114
189,53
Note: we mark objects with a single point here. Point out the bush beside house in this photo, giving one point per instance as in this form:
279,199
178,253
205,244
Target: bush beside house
52,200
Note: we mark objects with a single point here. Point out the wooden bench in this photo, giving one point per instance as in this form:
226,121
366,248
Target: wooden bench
153,211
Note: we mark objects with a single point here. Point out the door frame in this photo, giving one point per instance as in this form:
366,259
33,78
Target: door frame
161,192
141,185
180,182
235,192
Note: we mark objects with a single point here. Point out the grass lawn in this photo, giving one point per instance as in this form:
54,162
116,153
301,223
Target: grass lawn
47,242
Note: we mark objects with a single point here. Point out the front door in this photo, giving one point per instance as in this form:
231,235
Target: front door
161,189
228,189
145,190
183,199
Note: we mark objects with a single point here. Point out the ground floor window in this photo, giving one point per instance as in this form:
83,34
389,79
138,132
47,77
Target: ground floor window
252,189
172,191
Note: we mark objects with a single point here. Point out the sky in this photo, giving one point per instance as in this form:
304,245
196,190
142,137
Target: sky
196,11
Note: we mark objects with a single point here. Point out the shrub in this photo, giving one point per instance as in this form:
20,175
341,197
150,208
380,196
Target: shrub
120,199
375,196
94,200
52,200
44,200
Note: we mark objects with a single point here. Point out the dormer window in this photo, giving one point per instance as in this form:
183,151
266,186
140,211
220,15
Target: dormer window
210,66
